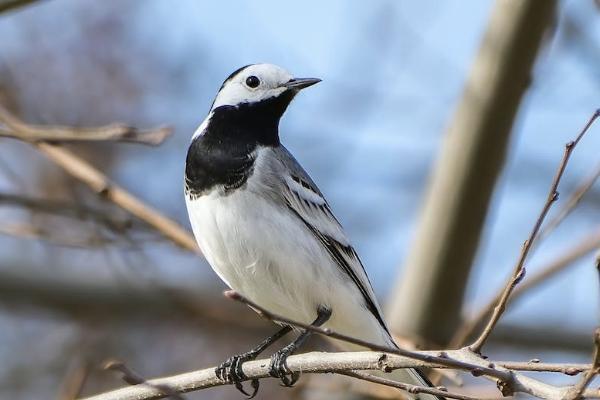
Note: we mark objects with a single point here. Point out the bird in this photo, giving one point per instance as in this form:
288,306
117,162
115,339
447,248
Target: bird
267,230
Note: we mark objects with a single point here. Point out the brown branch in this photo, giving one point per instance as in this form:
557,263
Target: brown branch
582,248
100,183
577,391
519,270
18,129
574,199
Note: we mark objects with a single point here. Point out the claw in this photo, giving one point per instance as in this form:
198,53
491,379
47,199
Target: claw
231,371
255,385
278,368
240,387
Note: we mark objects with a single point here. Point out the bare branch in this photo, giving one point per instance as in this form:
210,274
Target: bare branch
18,129
537,366
519,270
577,391
574,199
318,362
582,248
85,172
101,184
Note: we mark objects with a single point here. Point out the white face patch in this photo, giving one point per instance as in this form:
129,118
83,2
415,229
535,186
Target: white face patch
267,79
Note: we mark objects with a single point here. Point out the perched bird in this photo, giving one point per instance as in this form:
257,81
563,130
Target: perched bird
266,228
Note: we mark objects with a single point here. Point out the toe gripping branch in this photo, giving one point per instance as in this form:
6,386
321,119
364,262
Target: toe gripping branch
278,367
231,371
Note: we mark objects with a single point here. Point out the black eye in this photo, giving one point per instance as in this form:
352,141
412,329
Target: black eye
252,81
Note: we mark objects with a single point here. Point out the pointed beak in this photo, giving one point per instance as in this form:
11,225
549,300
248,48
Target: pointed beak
300,83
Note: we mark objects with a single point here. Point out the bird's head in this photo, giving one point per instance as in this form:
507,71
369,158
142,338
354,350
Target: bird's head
260,82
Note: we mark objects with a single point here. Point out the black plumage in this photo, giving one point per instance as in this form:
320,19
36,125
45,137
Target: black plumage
222,155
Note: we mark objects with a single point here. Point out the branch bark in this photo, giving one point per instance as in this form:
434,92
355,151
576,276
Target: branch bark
319,362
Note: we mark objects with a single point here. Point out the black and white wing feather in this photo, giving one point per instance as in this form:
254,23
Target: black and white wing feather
305,200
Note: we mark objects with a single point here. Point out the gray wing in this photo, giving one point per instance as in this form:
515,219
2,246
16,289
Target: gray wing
305,200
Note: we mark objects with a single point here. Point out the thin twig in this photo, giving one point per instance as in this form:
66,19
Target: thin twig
413,389
582,248
67,209
577,390
18,129
133,378
519,270
574,199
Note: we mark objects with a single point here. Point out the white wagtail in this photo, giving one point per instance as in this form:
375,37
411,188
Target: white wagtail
265,227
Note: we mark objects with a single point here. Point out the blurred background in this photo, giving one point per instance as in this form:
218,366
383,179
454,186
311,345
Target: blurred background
84,281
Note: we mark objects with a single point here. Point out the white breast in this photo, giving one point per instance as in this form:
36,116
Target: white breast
262,250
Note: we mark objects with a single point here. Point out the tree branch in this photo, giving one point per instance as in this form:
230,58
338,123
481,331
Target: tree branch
18,129
100,183
519,270
582,248
91,176
572,202
319,362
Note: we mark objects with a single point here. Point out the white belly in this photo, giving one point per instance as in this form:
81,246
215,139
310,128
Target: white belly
269,256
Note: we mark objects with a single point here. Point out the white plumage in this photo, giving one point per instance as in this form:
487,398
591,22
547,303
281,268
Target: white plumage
260,249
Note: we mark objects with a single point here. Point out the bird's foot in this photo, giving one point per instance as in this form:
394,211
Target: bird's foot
278,367
231,371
